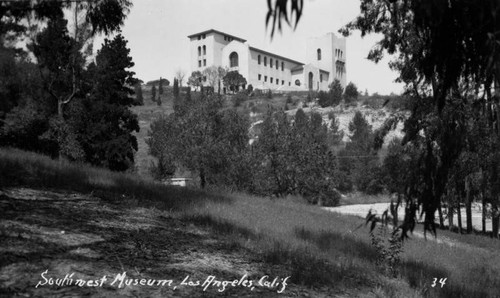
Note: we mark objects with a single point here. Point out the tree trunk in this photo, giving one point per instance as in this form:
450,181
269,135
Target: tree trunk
450,216
459,216
203,180
483,219
495,220
441,220
468,212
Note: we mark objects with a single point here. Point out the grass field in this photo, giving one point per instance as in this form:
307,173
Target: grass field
320,249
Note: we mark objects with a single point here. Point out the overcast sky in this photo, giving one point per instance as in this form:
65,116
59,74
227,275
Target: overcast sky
157,32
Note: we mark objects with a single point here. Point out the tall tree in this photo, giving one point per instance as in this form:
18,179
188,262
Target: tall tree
160,88
153,93
196,79
351,93
176,88
180,75
336,92
103,119
204,138
139,99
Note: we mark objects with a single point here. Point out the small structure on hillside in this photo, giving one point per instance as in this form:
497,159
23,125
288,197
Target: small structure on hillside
182,177
179,181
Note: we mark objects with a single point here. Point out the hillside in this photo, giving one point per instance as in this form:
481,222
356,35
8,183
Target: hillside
68,218
256,107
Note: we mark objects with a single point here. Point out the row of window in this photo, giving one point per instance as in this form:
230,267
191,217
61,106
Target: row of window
339,53
271,63
227,38
201,36
340,70
204,50
204,62
271,80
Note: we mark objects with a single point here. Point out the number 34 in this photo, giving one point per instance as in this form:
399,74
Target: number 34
442,281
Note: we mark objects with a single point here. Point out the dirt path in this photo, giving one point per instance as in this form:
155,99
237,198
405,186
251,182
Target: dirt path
68,233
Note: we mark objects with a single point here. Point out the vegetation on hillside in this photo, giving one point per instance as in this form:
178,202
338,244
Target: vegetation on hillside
321,251
65,107
453,82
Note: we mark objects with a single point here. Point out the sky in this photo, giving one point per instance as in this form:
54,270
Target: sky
157,32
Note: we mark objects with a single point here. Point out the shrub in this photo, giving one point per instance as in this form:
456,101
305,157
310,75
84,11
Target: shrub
269,94
324,99
239,98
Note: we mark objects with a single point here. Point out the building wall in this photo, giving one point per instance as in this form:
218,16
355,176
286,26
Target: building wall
333,54
214,43
283,75
243,58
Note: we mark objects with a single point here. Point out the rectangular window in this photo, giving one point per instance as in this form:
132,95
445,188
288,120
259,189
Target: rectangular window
282,66
321,77
204,62
277,65
199,63
260,77
265,78
282,82
277,81
271,80
271,62
265,61
289,83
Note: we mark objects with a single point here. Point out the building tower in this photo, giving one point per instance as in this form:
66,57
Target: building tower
328,52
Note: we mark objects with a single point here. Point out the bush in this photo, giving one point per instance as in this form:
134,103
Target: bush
249,89
239,98
269,94
324,99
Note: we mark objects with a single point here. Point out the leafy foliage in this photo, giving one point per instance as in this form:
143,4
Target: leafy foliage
234,80
351,93
296,157
103,119
196,79
336,92
205,139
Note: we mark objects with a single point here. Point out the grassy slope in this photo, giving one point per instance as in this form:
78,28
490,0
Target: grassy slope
146,114
320,249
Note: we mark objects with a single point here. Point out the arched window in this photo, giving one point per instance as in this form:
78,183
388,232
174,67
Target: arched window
265,61
282,66
199,51
319,54
277,64
233,59
258,59
204,50
271,62
297,82
310,80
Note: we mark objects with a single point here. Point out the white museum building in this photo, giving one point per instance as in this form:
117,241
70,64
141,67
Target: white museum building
326,56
